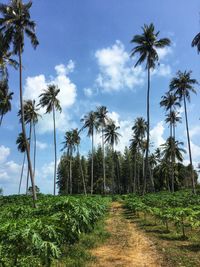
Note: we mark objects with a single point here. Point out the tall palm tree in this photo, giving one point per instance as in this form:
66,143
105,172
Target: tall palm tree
112,137
172,148
182,85
146,46
21,146
102,119
196,42
77,140
173,118
5,99
90,123
139,132
49,100
15,23
69,143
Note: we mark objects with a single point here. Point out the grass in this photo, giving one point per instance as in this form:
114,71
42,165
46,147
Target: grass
176,249
79,255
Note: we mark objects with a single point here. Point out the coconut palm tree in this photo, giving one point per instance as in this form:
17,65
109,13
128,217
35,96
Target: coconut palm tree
15,23
102,119
21,146
70,145
112,138
49,100
77,140
173,118
90,123
182,85
146,46
5,99
30,116
196,42
172,148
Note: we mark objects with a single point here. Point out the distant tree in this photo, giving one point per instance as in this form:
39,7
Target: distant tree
49,100
30,190
146,46
1,191
5,99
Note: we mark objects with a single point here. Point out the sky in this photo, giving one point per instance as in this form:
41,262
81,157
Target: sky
85,49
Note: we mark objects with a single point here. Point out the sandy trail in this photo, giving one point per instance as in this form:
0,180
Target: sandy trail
127,246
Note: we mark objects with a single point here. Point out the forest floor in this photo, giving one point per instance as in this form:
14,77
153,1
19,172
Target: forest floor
127,245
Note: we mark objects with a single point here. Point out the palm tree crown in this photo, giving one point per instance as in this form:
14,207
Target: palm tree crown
172,146
146,45
90,122
196,42
169,100
49,98
5,99
15,23
110,133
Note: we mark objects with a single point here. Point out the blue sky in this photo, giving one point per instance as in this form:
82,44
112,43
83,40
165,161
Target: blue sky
84,48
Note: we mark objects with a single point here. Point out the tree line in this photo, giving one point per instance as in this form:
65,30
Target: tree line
16,25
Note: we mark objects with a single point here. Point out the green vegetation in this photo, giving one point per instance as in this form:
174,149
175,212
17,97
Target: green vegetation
36,237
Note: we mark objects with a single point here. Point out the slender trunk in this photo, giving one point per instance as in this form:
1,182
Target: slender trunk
1,119
104,169
92,166
24,131
172,155
34,156
134,181
189,147
82,174
70,174
55,151
27,177
21,176
146,169
113,169
152,179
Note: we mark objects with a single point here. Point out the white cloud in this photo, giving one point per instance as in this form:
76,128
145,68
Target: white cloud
41,145
13,167
88,92
156,134
164,52
4,153
35,85
194,131
116,69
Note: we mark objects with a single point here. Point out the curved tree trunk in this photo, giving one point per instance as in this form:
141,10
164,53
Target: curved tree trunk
189,147
21,176
1,119
27,177
146,169
92,166
24,131
55,151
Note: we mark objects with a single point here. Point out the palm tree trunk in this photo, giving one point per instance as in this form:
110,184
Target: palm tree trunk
189,147
27,179
146,169
24,130
70,174
55,151
104,169
1,119
172,157
82,174
34,156
21,176
92,166
134,181
113,169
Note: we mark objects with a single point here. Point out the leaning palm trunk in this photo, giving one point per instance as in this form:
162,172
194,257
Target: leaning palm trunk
21,176
1,119
27,177
92,166
24,130
55,151
146,169
189,147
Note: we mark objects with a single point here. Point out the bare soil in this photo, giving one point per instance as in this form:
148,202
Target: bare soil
127,246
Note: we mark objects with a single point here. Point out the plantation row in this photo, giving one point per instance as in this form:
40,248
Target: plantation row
36,237
181,209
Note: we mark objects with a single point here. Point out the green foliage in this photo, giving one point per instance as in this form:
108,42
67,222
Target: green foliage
37,237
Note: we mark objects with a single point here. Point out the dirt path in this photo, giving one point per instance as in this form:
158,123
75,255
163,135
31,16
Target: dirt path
127,246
